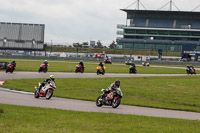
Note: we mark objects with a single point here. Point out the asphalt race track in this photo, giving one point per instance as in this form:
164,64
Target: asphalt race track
13,98
26,75
27,99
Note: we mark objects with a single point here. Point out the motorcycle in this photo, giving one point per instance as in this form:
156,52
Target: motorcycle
145,64
43,68
79,68
45,91
100,70
107,62
132,70
10,68
112,99
190,71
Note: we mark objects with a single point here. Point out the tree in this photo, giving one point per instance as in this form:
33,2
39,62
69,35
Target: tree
99,44
85,43
113,45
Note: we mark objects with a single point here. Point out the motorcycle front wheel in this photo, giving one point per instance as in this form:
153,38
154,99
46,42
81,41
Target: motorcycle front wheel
98,72
116,103
49,94
36,95
39,70
99,102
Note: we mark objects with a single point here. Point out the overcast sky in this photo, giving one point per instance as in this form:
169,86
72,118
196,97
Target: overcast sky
68,21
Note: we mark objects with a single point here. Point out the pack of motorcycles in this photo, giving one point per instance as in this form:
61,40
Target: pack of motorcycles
104,99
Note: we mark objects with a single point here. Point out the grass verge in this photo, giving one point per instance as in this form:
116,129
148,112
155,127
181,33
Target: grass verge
30,119
179,93
69,66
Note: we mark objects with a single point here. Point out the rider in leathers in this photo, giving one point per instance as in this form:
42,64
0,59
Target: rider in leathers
113,87
51,78
46,64
14,64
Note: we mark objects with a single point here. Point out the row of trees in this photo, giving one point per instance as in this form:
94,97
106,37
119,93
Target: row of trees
113,45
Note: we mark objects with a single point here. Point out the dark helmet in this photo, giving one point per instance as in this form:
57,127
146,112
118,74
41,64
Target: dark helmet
13,61
52,78
117,83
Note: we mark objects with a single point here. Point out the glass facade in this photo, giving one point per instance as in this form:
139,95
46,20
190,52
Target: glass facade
166,30
162,35
166,47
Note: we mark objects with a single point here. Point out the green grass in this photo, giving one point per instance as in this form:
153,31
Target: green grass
1,110
18,119
69,66
178,93
112,51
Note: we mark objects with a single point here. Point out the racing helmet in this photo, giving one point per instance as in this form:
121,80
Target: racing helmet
117,83
52,78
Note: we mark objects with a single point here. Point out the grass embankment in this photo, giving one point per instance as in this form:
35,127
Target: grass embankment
111,51
31,120
179,93
69,66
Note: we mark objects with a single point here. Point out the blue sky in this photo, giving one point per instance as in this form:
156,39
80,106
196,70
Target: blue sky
68,21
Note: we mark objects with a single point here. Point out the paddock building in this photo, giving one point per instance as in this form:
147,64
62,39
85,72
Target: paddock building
154,29
21,36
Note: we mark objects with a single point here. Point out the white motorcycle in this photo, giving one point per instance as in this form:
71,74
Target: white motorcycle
45,91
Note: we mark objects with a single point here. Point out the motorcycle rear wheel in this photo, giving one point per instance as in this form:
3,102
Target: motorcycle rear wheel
98,102
82,71
49,94
45,70
116,103
103,72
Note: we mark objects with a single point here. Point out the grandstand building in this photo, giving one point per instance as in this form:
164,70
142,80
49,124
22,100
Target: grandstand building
154,29
22,36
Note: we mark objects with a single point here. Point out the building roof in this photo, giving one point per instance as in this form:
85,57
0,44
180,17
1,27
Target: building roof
161,14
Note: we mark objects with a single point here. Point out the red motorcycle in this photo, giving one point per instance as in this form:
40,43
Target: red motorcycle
107,61
43,68
10,68
79,68
112,99
45,91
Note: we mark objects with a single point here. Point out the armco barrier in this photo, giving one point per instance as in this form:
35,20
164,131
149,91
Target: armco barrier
121,60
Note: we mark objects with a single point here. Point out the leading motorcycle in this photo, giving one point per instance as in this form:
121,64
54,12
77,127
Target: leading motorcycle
10,68
113,98
43,68
45,91
79,68
100,70
190,70
132,69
